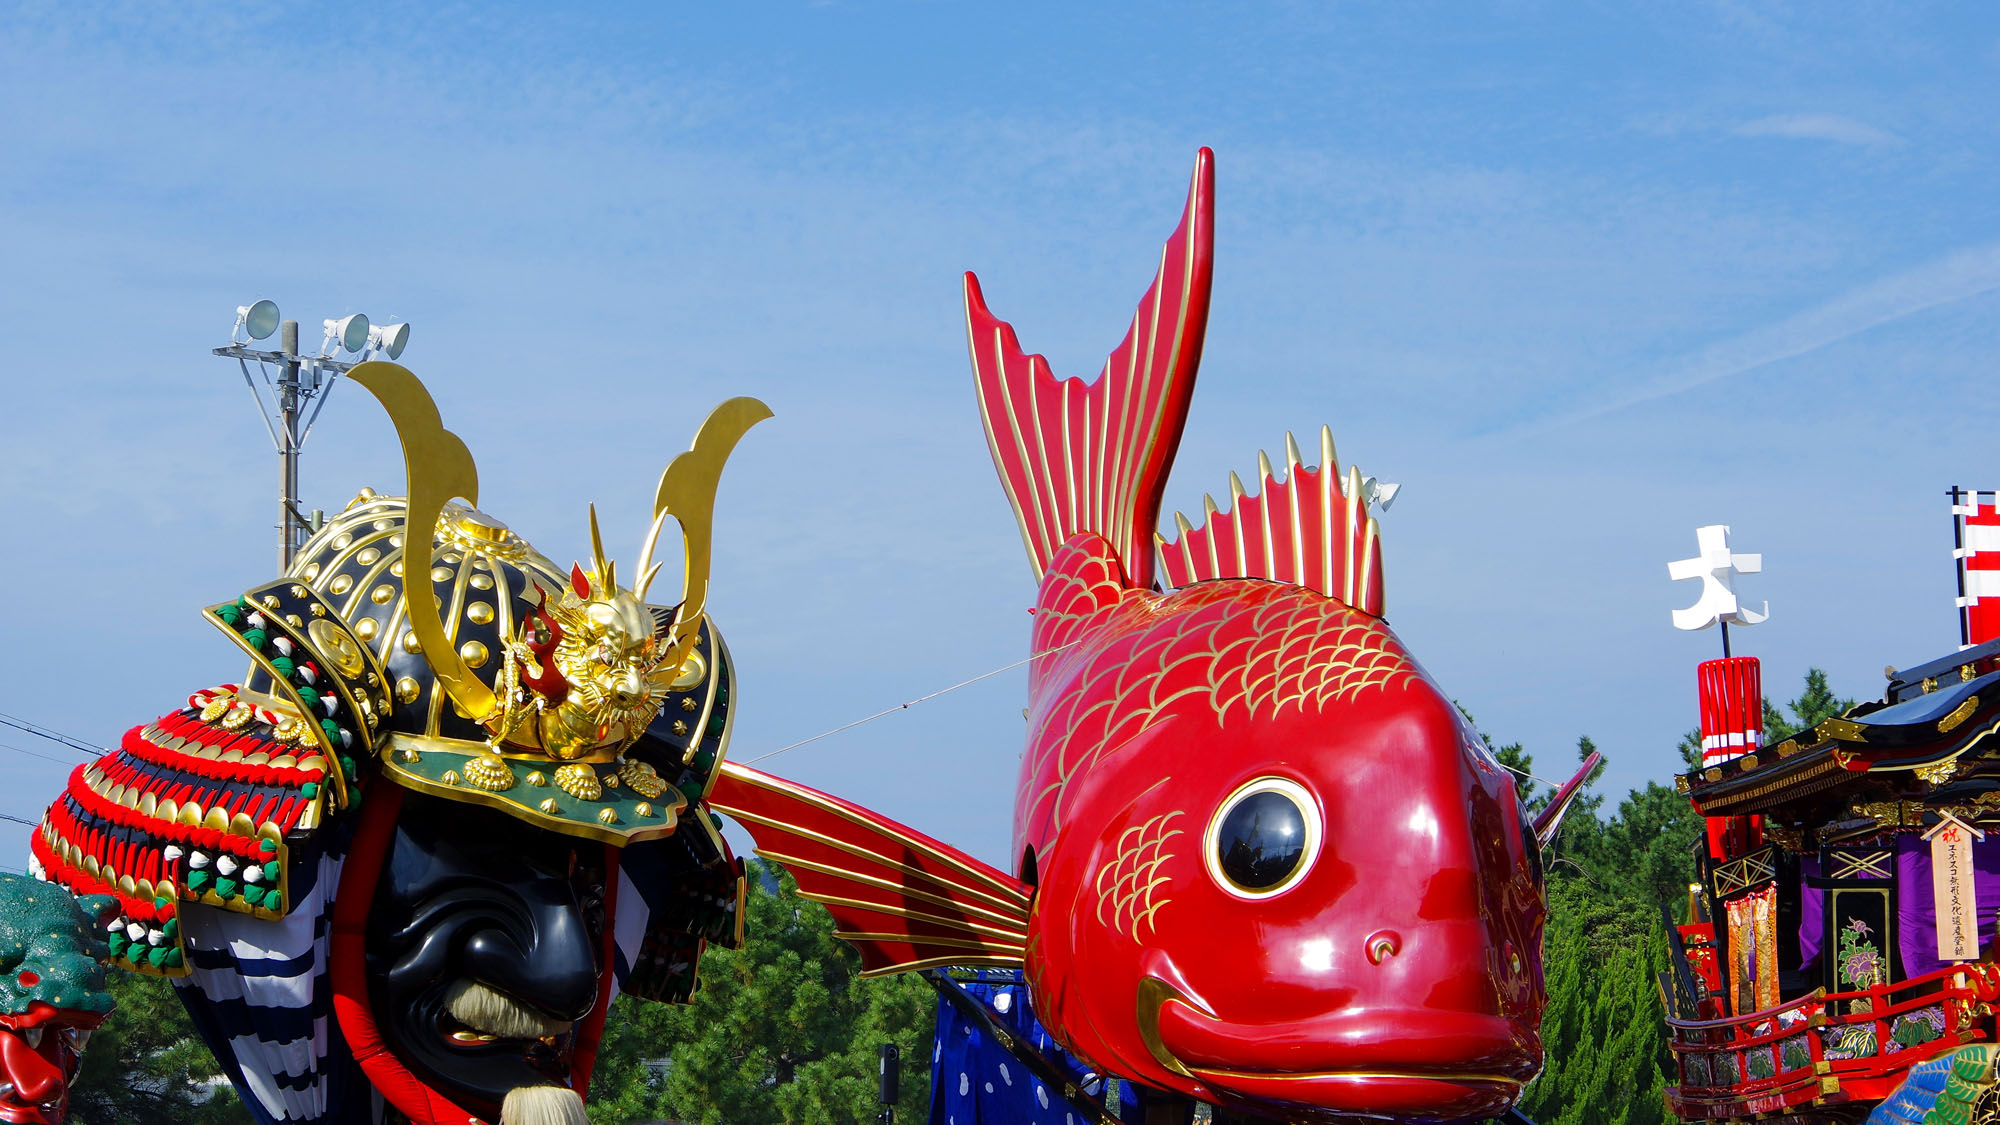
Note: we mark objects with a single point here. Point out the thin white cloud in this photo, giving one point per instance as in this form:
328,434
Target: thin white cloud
1954,277
1817,127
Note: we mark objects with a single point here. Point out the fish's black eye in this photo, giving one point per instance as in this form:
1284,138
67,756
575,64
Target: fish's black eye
1264,838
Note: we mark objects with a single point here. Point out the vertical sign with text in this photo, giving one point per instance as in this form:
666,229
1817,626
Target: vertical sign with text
1952,890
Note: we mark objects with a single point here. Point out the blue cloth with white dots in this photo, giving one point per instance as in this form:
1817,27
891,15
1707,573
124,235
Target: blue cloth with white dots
974,1081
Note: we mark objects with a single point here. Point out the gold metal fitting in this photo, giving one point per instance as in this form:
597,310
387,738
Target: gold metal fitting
410,755
607,816
642,778
579,781
537,778
490,771
549,806
481,527
450,777
643,809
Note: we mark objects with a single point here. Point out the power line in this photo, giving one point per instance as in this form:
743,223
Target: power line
19,820
35,754
53,735
910,704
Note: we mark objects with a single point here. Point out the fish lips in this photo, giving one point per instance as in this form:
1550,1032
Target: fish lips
1416,1062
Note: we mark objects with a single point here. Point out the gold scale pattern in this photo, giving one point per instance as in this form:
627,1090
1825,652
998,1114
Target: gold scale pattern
1128,887
1240,649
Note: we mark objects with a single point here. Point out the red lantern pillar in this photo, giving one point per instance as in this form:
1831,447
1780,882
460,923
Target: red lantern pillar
1732,725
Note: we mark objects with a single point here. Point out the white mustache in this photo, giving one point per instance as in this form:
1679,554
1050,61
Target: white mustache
496,1013
543,1105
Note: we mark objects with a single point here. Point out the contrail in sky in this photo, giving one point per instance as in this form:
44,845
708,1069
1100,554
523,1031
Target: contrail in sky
1955,277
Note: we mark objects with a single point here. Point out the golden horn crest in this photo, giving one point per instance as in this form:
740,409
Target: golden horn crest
687,493
439,468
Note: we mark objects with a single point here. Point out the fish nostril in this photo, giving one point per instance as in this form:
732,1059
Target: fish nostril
1382,945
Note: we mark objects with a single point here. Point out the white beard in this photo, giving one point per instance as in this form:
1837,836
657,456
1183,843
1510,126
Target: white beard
543,1105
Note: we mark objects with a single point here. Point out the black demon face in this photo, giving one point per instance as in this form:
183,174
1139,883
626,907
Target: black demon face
485,947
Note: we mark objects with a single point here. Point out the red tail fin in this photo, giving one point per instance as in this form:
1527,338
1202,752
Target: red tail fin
902,899
1095,458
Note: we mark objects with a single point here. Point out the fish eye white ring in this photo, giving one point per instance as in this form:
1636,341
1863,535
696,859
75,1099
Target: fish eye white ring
1309,813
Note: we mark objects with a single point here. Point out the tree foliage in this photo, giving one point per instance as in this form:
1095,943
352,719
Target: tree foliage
1603,1034
784,1030
147,1064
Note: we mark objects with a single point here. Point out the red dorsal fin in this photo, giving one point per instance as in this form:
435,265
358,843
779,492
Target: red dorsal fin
904,900
1310,529
1095,458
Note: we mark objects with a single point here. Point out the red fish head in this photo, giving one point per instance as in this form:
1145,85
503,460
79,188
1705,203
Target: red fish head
1310,881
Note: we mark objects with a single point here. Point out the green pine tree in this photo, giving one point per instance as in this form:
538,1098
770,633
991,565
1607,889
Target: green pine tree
147,1064
784,1030
1814,704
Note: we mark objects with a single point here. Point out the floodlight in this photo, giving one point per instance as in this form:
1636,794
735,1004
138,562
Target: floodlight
389,339
351,331
1378,493
259,319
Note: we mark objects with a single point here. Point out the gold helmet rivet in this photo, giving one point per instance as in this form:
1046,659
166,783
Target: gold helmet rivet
490,772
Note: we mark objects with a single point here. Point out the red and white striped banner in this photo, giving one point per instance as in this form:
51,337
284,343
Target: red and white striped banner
1978,556
1732,707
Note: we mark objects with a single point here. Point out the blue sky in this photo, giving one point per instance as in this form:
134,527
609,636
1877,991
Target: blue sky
1580,277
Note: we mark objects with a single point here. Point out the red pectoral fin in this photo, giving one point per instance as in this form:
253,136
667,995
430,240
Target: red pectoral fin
904,900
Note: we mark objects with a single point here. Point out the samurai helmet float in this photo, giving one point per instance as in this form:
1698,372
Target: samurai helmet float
421,654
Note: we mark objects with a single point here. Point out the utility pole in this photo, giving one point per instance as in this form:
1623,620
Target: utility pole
288,442
300,379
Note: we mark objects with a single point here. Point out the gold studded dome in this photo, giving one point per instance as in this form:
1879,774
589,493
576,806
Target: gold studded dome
485,583
484,579
490,675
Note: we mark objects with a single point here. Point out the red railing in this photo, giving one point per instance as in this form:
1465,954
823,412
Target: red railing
1839,1047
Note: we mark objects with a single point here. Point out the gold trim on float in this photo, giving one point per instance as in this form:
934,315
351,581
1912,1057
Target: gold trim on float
996,961
1153,996
914,915
1011,906
527,813
1958,714
687,493
295,704
894,888
438,468
466,747
760,780
1434,1076
922,939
